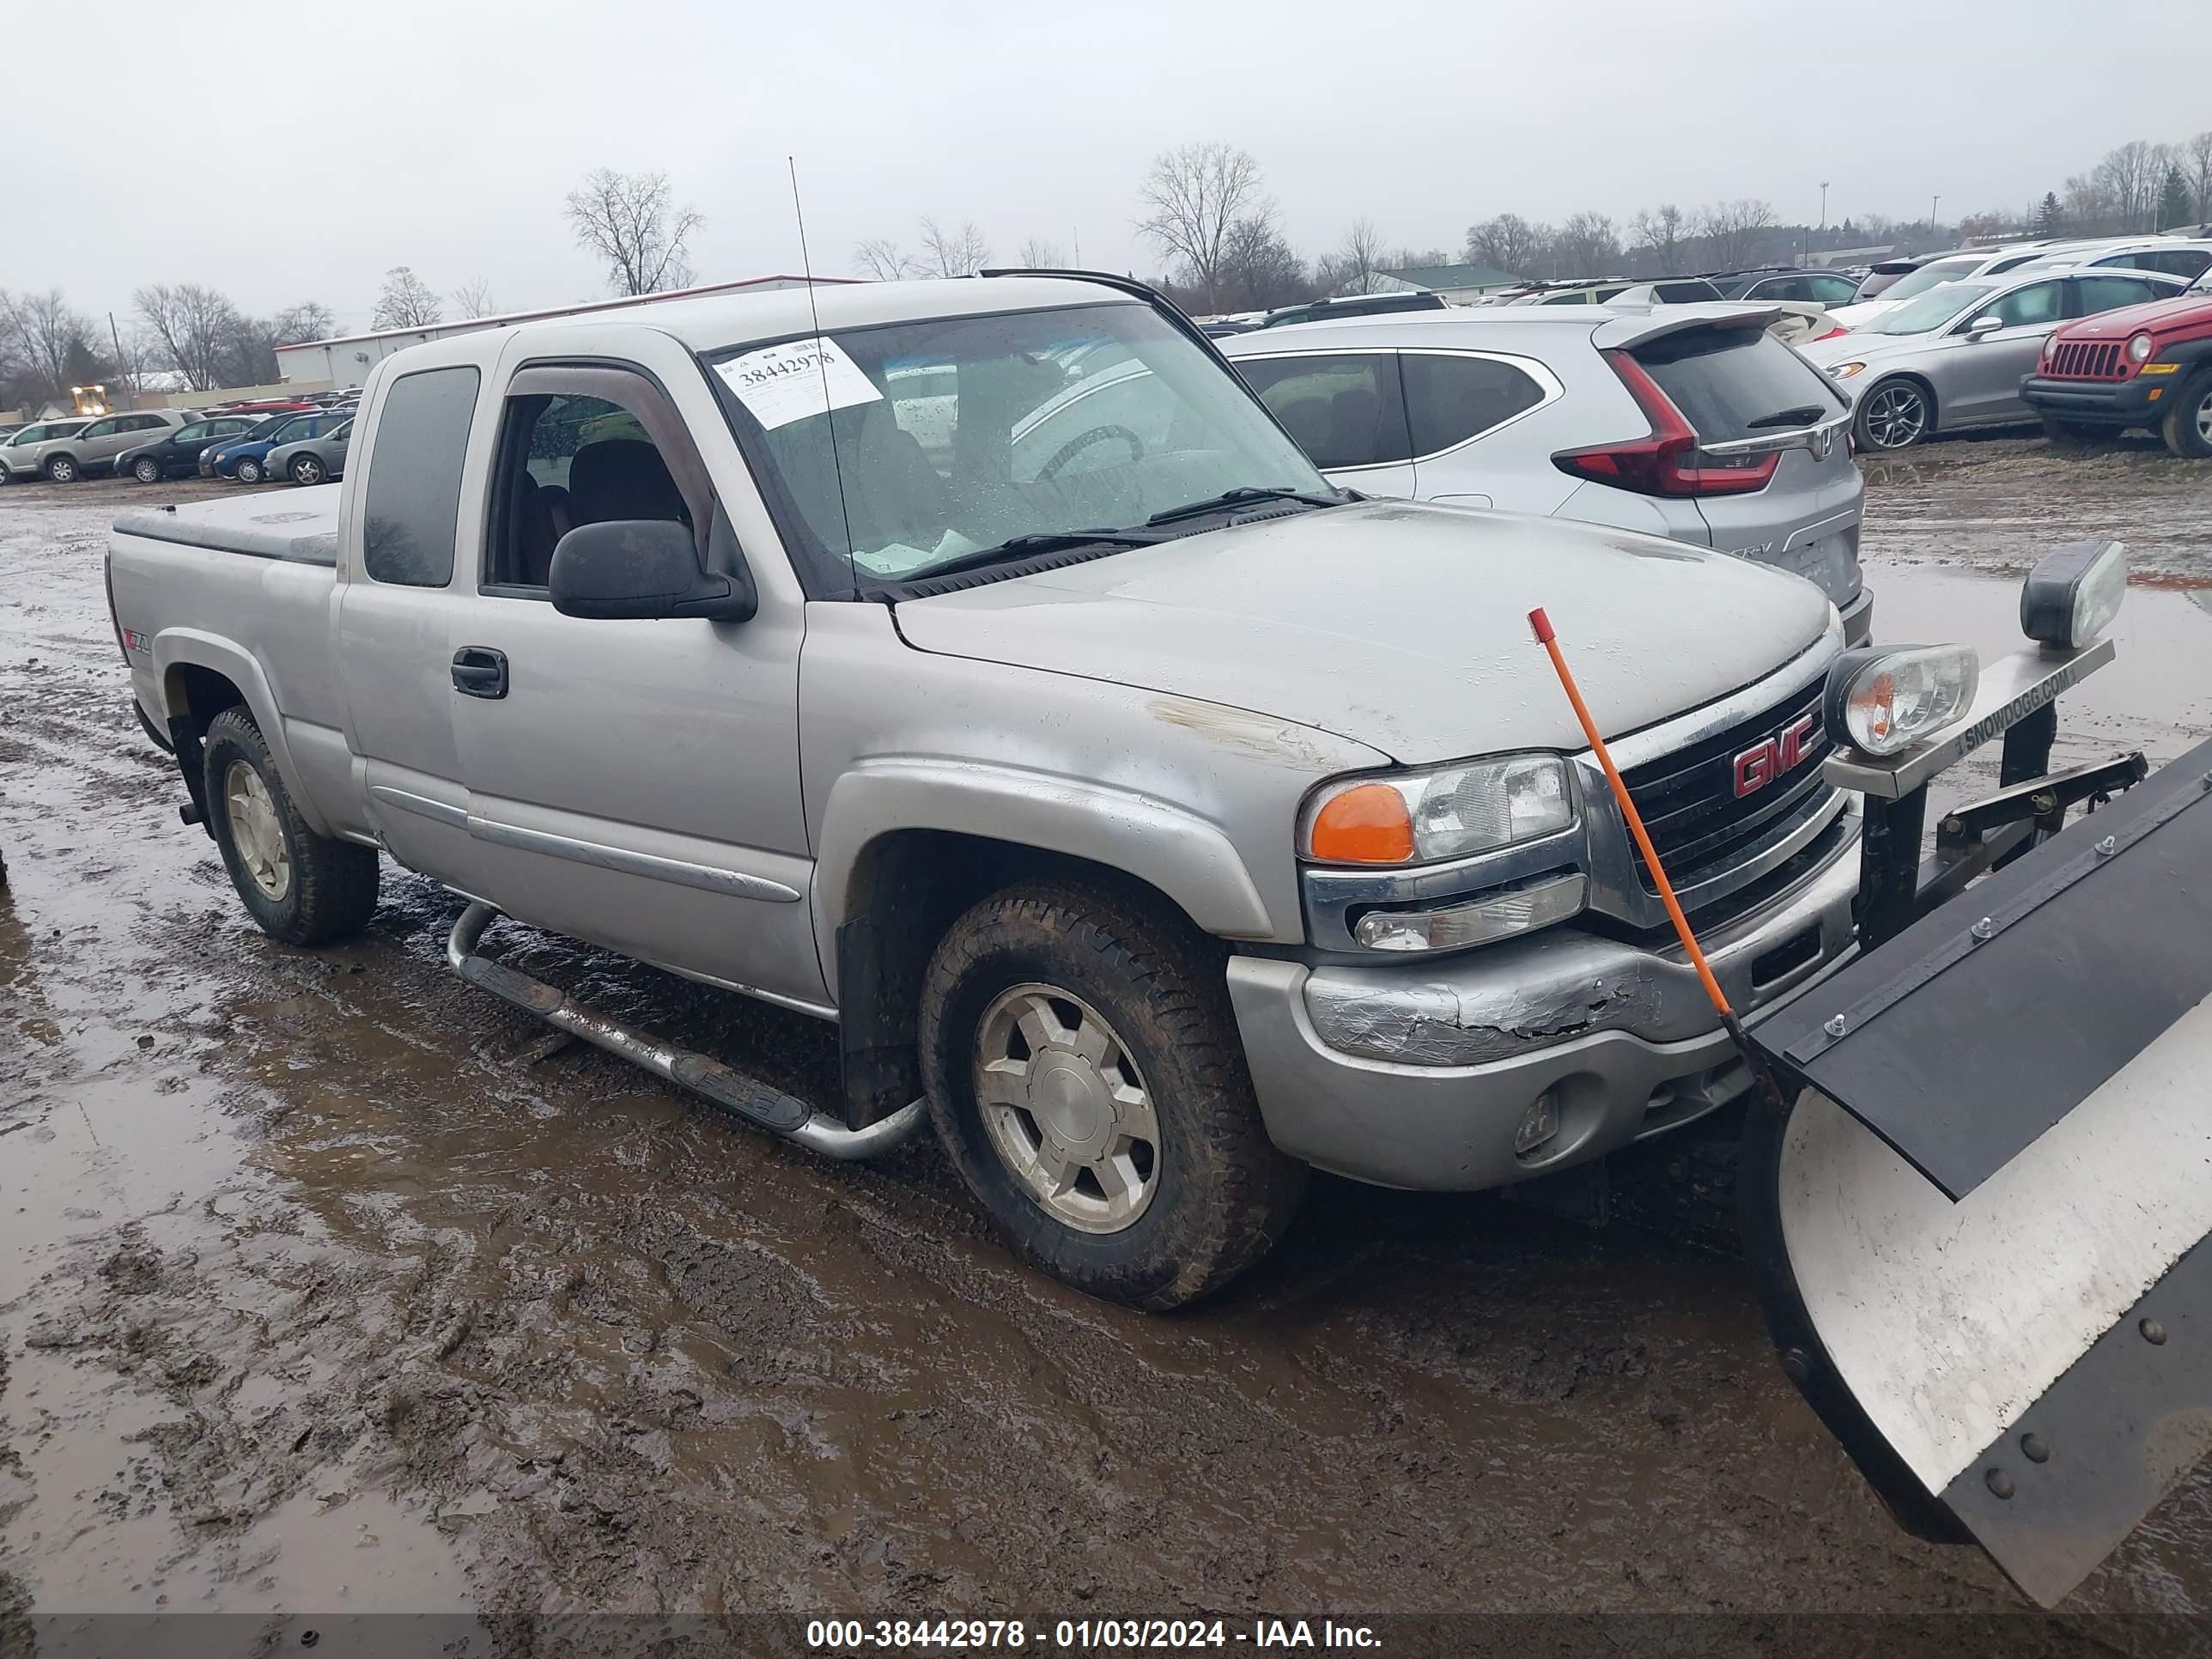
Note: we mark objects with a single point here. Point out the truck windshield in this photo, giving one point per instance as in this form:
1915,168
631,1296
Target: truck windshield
959,436
1931,310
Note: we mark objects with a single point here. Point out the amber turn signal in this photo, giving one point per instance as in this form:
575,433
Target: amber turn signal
1366,825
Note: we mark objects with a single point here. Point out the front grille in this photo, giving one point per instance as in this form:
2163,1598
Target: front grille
1700,826
2086,360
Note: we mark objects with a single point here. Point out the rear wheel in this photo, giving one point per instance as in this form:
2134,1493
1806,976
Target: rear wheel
307,469
1084,1072
146,469
1895,414
249,470
301,887
61,468
2187,428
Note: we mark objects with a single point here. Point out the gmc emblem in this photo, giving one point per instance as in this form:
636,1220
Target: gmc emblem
1786,751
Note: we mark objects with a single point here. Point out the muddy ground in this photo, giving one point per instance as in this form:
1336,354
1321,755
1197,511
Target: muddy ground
330,1286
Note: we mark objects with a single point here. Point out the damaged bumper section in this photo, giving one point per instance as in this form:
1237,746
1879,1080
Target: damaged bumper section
1436,1074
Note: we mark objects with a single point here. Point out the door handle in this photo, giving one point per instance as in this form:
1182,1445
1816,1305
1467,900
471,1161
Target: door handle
480,671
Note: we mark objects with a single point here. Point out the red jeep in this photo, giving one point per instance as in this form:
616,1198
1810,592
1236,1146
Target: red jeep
2141,366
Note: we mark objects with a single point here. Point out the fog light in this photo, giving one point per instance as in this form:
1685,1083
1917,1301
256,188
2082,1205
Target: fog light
2073,593
1538,1124
1496,915
1878,698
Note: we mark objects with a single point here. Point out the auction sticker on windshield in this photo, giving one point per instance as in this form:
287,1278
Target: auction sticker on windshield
781,383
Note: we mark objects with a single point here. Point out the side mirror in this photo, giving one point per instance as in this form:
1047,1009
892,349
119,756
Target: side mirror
643,569
1982,326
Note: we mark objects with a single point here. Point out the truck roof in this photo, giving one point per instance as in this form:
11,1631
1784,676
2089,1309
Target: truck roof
712,322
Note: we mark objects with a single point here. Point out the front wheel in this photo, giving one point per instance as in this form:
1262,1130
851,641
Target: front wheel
249,470
61,468
146,469
1895,414
301,887
2187,428
1085,1074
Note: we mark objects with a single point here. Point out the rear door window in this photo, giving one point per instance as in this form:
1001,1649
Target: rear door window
1733,383
2109,293
1345,410
1831,290
413,500
1451,399
1678,294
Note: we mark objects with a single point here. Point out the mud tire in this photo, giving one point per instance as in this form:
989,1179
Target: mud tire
2183,432
1225,1195
332,892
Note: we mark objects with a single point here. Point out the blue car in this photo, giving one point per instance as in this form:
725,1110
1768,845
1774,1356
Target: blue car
245,458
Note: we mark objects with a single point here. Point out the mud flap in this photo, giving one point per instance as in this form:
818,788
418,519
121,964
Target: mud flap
1978,1223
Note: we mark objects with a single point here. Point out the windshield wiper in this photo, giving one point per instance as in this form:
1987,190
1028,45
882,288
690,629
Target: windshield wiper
1033,543
1240,496
1803,415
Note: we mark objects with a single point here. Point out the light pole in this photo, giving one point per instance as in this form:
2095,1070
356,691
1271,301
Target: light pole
1824,203
1931,216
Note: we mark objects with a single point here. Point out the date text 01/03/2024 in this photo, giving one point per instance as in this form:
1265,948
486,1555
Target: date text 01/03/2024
956,1635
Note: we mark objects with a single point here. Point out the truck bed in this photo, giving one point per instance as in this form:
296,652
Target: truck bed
300,527
255,573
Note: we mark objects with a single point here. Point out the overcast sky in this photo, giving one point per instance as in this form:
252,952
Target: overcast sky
286,152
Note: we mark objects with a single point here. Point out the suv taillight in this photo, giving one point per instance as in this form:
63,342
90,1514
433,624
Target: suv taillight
1668,462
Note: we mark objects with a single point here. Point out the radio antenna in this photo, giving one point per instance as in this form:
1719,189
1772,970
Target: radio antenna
829,415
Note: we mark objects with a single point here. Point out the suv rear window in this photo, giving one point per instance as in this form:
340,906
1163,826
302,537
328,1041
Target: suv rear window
1731,383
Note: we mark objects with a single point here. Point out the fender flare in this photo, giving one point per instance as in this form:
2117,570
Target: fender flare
192,647
1188,858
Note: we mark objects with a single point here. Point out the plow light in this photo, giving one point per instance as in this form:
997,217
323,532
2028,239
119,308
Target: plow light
2073,593
1879,699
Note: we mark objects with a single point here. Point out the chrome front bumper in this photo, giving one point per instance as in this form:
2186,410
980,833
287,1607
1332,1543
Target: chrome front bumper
1416,1074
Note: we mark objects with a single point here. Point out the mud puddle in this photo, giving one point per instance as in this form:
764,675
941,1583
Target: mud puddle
329,1287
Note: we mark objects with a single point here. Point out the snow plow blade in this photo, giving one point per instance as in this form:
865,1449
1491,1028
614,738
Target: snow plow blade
1977,1221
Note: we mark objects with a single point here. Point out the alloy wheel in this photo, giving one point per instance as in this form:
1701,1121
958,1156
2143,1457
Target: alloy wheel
1897,416
1066,1108
256,831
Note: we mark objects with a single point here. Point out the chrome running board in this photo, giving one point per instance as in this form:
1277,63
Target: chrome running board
780,1114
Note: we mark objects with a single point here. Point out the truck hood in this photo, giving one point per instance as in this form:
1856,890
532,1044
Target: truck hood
1400,625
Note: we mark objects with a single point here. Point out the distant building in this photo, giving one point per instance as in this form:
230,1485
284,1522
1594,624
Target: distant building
1458,284
346,360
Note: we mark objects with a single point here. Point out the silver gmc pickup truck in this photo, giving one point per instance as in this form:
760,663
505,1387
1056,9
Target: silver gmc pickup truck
978,665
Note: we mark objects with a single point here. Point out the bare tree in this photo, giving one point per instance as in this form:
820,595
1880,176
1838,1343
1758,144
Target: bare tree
2090,203
1731,229
1041,254
1259,269
2130,175
1660,229
951,252
474,298
192,327
627,220
46,336
1586,246
1351,269
406,302
2196,162
1193,198
880,258
1509,242
311,319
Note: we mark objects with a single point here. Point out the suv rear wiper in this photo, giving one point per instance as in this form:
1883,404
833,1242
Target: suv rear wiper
1240,496
1035,542
1803,415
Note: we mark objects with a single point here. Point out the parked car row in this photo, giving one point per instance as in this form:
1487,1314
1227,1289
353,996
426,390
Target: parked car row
301,441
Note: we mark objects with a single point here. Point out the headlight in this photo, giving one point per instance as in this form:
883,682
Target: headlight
2073,593
2139,349
1420,817
1844,371
1880,699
